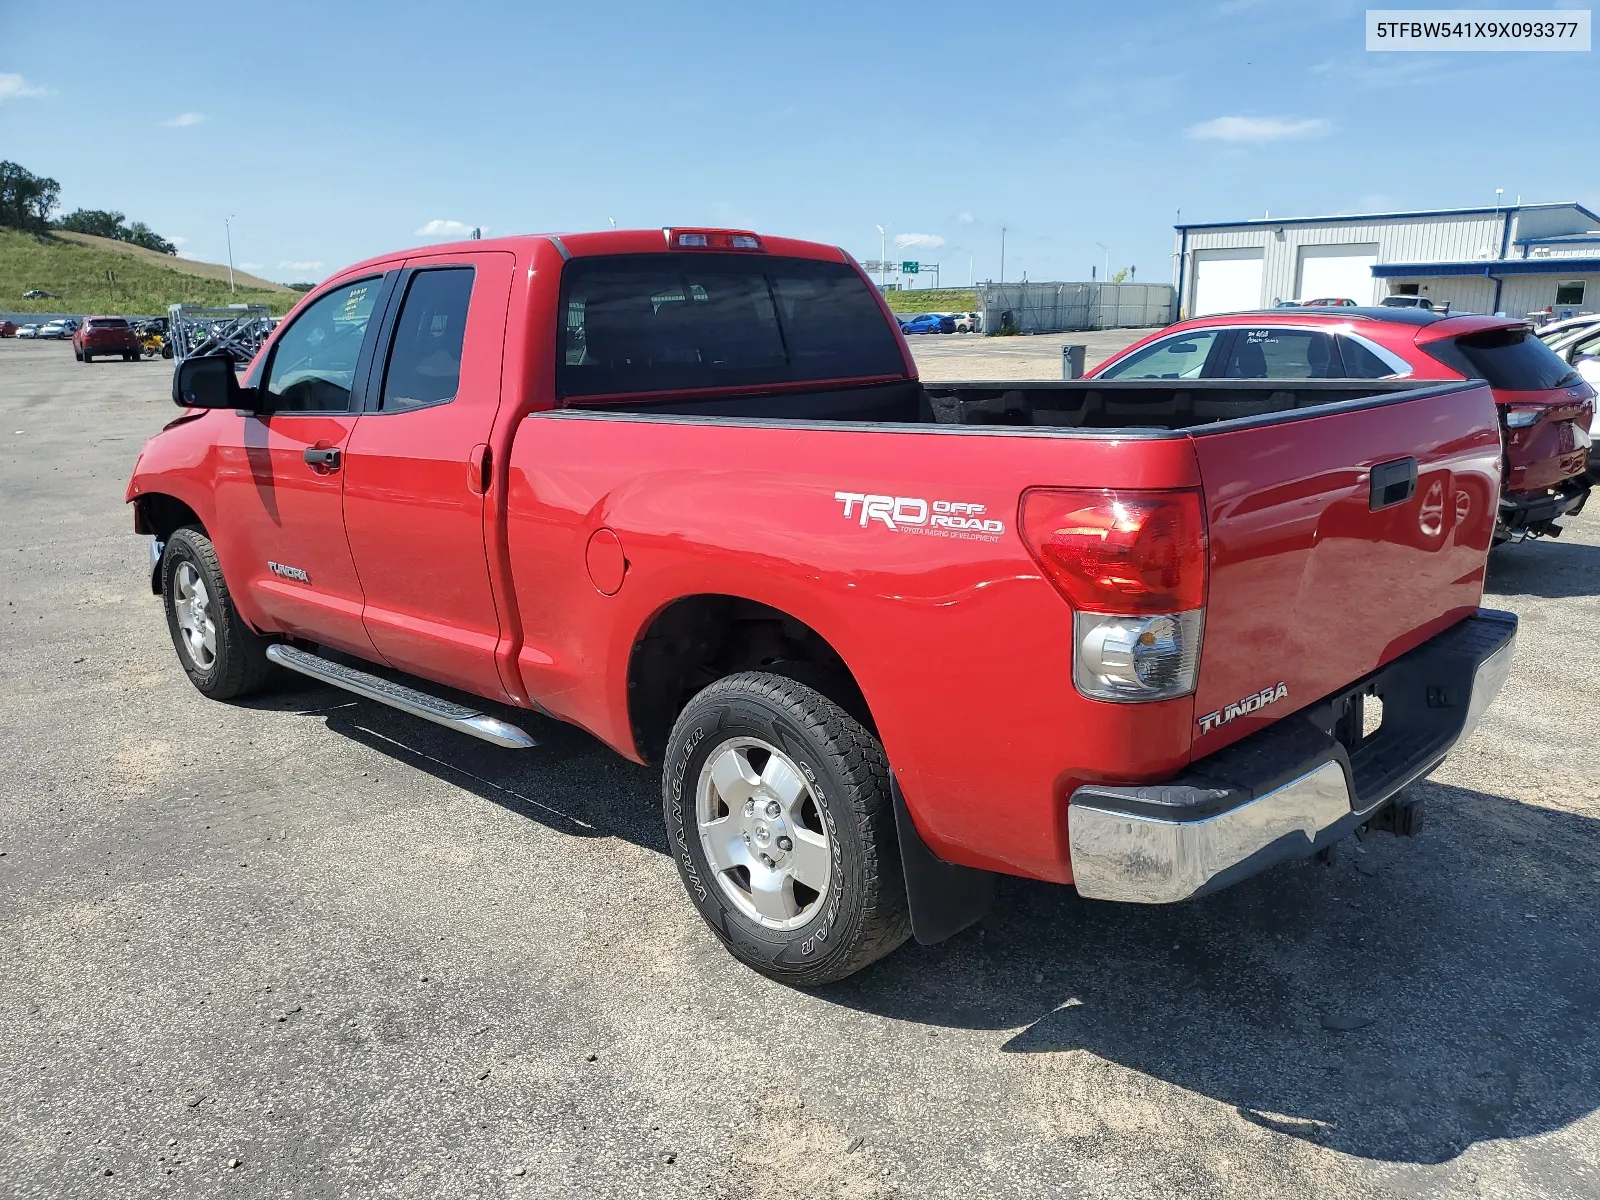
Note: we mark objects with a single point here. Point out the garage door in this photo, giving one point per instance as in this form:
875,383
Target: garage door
1226,281
1337,272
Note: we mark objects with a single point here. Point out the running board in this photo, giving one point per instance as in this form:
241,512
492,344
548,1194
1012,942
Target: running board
397,695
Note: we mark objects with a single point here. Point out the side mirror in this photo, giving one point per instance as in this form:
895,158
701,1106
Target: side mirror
208,381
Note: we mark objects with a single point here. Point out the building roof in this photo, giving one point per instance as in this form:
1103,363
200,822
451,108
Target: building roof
1388,216
1492,267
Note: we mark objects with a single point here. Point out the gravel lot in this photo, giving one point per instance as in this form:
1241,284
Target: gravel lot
310,947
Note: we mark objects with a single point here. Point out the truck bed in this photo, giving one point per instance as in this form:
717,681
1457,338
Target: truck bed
1088,404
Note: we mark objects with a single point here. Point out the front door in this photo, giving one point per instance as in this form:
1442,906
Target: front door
279,495
416,471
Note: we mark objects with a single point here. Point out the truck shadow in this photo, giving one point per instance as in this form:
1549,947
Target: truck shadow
1410,1001
1547,567
1415,998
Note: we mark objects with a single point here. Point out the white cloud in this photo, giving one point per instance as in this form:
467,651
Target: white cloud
184,120
447,229
178,241
15,87
930,240
1259,129
290,265
251,266
966,218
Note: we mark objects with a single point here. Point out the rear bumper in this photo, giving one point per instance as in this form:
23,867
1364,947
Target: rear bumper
1532,512
1295,787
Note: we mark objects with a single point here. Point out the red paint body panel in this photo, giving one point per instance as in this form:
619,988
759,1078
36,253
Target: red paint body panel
962,649
1310,588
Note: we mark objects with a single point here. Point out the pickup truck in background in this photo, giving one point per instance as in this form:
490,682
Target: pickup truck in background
683,488
1546,405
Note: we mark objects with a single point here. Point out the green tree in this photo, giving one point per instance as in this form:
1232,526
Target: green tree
26,199
141,234
96,221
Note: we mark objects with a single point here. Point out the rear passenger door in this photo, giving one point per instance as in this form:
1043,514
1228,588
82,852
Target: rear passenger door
1275,352
417,468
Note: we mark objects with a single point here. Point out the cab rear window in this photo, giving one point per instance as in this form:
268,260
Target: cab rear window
1511,360
674,322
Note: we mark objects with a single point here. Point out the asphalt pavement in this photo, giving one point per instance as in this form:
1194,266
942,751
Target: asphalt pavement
307,946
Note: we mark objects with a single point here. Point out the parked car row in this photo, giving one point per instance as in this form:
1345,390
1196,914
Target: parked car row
60,329
961,322
100,336
1546,405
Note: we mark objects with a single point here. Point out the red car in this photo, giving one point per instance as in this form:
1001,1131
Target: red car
683,488
8,329
105,335
1545,405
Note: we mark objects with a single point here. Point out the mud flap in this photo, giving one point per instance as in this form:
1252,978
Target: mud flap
944,898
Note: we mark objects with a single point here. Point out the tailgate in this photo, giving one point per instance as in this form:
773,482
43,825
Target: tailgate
1326,559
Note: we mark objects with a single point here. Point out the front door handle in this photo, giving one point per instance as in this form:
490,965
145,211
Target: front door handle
328,460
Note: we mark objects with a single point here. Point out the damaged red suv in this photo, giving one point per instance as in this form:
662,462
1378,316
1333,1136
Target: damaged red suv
1545,405
105,335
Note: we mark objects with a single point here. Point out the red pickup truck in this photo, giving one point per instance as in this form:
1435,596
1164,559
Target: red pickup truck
886,639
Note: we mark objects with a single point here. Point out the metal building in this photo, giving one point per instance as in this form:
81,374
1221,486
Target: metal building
1057,307
1517,259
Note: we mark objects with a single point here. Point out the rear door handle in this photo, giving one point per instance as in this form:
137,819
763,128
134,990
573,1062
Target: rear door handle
328,460
1392,483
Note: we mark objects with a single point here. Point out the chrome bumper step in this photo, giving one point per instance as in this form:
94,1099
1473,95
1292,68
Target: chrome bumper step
397,695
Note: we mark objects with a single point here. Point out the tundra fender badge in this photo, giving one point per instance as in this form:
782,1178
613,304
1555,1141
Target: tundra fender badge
294,573
1250,704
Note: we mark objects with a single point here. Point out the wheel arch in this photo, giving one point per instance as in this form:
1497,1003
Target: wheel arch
159,515
695,640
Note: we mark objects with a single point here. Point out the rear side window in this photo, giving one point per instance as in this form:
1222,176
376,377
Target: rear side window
1512,360
1281,354
425,362
668,322
1180,357
1361,363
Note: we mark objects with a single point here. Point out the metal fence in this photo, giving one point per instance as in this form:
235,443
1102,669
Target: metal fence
1057,307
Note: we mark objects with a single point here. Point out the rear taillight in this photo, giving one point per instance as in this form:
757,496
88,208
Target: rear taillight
1133,566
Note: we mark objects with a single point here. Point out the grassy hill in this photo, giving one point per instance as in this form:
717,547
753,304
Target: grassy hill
74,266
933,300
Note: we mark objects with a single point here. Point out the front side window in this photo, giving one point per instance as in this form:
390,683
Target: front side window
314,362
1180,357
665,322
1281,354
425,361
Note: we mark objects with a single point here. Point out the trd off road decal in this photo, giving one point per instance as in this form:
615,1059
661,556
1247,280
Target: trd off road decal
913,514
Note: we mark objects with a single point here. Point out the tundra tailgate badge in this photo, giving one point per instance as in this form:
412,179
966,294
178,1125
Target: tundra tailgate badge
1250,704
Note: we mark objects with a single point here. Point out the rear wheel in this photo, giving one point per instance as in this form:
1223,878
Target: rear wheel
778,814
85,357
222,656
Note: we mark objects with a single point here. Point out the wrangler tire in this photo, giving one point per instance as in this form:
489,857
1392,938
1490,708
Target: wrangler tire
781,745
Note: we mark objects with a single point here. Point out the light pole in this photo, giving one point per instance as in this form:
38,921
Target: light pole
227,226
883,250
1002,255
1104,247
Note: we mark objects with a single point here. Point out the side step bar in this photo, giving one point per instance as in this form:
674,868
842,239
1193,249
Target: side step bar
396,695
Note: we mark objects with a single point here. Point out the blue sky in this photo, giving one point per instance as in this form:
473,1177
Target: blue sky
331,134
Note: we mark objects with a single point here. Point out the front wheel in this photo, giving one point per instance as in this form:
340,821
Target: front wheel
222,656
778,814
